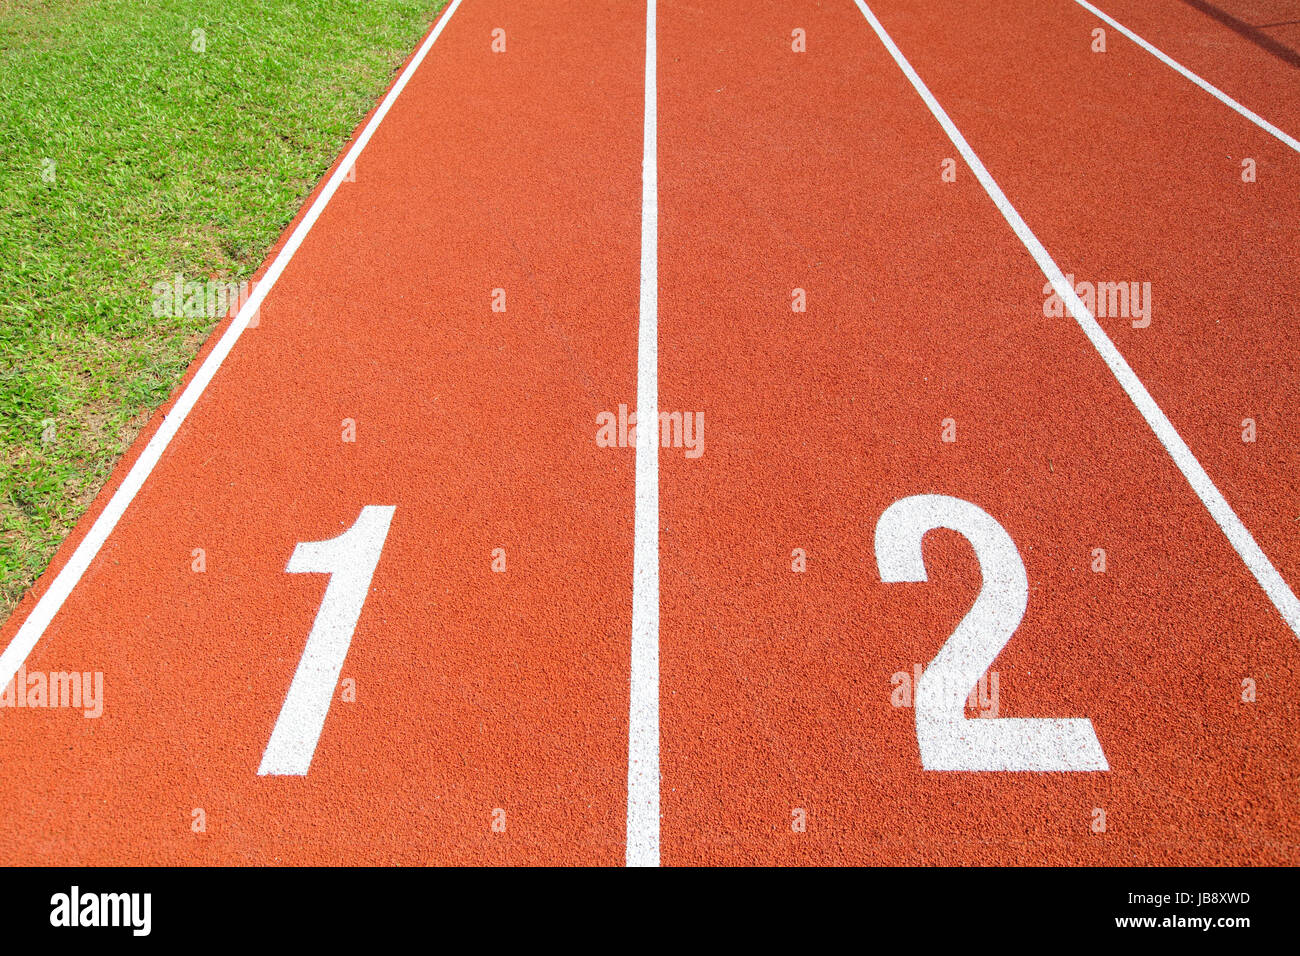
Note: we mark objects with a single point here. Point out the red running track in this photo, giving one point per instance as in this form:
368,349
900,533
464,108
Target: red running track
468,308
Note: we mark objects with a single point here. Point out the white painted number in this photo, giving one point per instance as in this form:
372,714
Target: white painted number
948,740
350,561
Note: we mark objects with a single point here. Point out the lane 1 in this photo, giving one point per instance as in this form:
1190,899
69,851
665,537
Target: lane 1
480,714
788,665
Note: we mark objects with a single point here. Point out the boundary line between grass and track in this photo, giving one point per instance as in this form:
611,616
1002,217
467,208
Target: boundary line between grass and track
33,627
643,712
1210,88
1278,591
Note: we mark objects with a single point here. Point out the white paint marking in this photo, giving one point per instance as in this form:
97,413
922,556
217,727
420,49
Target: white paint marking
643,722
34,626
948,740
1278,591
350,561
1210,88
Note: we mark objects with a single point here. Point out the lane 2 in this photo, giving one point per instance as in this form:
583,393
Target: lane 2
797,637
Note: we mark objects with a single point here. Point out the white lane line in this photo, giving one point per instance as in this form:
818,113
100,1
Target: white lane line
1210,88
34,626
643,723
1274,586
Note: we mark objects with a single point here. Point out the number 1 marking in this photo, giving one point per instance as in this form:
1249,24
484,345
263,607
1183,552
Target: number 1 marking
350,561
947,738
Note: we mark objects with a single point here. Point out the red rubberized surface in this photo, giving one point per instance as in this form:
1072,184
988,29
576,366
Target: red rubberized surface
479,691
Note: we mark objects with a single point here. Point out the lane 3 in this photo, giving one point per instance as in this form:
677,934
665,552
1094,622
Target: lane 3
481,716
1128,173
1250,49
787,735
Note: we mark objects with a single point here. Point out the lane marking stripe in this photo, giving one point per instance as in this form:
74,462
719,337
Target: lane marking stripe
1274,586
643,722
1210,88
34,626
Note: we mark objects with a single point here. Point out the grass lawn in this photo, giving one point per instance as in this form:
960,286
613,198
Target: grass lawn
134,147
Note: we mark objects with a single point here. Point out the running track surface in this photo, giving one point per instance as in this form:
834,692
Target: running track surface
573,653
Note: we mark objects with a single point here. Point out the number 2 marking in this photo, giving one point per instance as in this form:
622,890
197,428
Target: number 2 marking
948,739
350,561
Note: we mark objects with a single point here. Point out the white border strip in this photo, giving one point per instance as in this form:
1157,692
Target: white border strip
1274,586
643,717
1210,88
34,626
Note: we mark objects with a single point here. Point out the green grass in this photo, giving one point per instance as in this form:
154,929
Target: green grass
127,157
